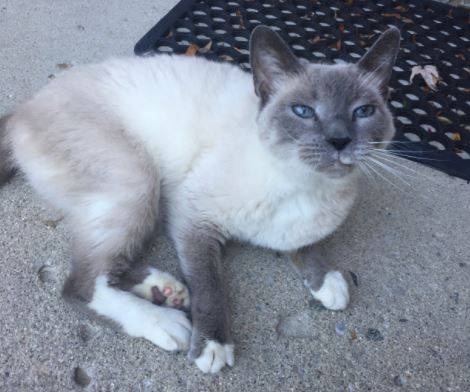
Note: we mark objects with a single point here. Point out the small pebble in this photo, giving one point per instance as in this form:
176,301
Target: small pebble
301,325
80,27
46,274
399,381
354,278
374,335
81,377
438,235
462,265
403,320
340,329
455,297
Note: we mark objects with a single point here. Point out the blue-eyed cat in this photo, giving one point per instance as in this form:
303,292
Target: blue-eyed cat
211,153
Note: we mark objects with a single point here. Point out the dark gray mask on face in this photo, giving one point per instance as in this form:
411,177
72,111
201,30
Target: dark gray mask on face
326,116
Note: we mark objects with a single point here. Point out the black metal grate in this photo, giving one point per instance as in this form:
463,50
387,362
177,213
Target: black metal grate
435,124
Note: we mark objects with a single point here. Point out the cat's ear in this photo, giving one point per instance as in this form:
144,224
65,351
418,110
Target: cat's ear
271,60
380,59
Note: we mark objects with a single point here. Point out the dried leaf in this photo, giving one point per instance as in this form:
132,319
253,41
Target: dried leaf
429,73
242,23
64,66
407,20
226,57
456,137
170,34
206,47
460,56
338,45
316,39
353,335
192,50
341,27
349,2
401,8
443,119
392,15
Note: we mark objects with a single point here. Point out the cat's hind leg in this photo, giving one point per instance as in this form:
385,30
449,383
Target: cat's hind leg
110,233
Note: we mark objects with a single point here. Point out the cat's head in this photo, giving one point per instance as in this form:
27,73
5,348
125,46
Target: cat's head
325,117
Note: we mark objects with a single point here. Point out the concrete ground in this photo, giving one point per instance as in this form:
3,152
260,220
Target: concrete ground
408,325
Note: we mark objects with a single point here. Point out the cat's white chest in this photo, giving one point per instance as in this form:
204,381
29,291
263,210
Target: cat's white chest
293,221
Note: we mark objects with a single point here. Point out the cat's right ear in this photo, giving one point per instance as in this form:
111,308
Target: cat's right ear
271,61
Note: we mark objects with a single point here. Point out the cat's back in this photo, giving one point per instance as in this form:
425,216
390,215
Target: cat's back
175,106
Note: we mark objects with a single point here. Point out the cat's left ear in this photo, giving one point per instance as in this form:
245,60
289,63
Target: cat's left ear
380,59
271,61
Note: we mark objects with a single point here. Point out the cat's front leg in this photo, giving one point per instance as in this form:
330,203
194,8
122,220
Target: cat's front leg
325,284
199,250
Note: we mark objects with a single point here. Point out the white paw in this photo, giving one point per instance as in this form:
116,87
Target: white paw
162,288
215,356
167,328
333,294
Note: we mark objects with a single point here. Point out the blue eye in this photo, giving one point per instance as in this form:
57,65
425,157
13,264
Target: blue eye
364,111
303,111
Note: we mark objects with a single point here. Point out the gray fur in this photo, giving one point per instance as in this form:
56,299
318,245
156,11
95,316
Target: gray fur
311,266
91,156
7,169
334,91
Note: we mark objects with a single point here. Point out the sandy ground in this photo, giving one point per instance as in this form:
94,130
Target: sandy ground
408,326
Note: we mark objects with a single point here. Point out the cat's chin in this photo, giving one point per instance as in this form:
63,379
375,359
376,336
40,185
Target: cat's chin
337,169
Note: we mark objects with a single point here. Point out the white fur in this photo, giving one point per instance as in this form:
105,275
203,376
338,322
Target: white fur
208,149
215,356
333,294
164,327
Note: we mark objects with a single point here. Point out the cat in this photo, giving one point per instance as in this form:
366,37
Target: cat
211,153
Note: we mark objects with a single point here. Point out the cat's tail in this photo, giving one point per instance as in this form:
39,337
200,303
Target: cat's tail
7,167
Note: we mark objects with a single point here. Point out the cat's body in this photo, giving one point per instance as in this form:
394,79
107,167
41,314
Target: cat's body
130,143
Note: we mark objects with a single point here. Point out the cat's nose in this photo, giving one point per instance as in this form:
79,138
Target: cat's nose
339,142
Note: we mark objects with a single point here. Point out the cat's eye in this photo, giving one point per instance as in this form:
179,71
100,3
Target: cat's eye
303,111
364,111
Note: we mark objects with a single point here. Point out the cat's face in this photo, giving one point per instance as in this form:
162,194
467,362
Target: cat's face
326,117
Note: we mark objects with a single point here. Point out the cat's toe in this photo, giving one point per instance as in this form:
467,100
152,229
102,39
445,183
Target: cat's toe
333,294
162,288
171,330
214,357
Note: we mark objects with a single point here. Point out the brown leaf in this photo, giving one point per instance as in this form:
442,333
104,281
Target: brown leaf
407,20
170,34
349,2
242,23
353,335
460,56
64,65
429,73
456,137
226,57
341,27
316,39
391,15
206,47
401,8
192,50
338,45
443,119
